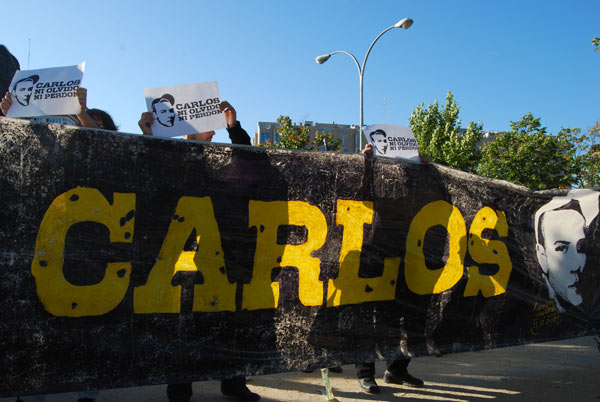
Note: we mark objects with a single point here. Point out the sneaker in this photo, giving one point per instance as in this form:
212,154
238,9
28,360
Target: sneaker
240,393
369,385
404,378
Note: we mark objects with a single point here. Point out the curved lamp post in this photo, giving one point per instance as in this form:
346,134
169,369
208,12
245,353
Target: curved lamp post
403,23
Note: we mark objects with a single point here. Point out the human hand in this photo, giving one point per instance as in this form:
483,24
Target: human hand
82,98
368,151
6,102
146,122
229,112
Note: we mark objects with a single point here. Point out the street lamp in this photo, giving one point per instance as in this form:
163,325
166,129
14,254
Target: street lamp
404,23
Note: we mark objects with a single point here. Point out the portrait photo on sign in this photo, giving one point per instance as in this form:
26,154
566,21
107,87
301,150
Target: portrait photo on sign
562,244
185,109
46,91
393,141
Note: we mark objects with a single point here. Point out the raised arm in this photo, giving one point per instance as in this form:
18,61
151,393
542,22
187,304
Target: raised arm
84,118
6,102
237,134
145,123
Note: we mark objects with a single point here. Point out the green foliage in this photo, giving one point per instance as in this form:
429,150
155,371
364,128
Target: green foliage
332,144
290,136
588,155
526,155
596,42
440,138
298,137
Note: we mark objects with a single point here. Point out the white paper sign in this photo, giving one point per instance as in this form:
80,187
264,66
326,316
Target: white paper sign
393,141
46,91
185,109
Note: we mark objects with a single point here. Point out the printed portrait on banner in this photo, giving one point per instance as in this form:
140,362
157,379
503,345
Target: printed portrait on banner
185,109
563,244
393,141
23,89
47,91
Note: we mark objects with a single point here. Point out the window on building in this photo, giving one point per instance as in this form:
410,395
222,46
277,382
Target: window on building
276,137
264,137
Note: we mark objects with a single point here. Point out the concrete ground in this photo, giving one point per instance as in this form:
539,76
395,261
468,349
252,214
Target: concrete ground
556,371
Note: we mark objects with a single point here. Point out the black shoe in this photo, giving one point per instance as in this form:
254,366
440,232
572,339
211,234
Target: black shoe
336,369
405,378
241,393
369,385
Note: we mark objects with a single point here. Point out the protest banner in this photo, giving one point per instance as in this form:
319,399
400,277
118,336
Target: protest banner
128,260
392,141
185,109
46,91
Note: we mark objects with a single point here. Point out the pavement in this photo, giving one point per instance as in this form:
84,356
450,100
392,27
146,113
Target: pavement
560,371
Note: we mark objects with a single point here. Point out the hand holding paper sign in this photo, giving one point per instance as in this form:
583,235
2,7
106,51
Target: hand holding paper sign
368,151
185,109
6,102
145,123
393,141
46,91
229,112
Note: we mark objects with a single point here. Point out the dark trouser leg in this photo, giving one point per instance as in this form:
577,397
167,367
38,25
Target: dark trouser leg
179,392
398,366
233,383
365,370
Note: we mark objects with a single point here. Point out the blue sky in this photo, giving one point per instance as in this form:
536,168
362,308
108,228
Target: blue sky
500,59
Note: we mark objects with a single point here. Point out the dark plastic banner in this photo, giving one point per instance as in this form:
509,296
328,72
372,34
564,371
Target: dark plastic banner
127,260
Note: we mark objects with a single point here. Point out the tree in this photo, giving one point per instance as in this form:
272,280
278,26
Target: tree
596,42
588,155
333,144
528,156
298,137
441,138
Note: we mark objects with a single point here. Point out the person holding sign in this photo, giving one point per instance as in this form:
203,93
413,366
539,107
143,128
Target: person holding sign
233,387
392,141
45,92
397,369
185,109
91,118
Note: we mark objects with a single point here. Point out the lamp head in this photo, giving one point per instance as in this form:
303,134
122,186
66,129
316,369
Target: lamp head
322,58
404,23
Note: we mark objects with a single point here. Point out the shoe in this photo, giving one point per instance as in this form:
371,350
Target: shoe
404,378
308,370
336,369
240,393
369,385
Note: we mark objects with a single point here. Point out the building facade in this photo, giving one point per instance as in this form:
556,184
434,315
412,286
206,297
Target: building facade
267,132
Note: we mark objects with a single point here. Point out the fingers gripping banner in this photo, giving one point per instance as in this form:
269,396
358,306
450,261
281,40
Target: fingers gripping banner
127,260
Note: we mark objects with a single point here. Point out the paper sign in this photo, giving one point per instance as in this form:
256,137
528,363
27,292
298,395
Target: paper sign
393,141
46,91
185,109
